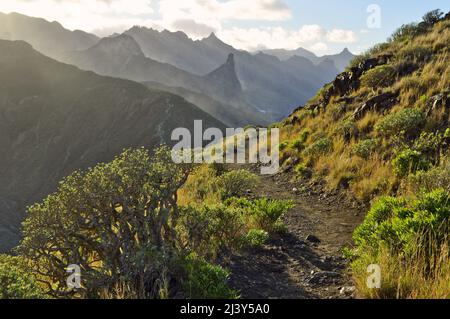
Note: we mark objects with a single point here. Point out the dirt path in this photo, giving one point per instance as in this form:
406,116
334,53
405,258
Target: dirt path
297,265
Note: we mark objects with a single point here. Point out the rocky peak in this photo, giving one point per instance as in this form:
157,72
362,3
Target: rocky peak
226,78
121,45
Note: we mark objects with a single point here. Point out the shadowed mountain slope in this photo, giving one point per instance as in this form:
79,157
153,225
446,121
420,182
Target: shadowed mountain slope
57,119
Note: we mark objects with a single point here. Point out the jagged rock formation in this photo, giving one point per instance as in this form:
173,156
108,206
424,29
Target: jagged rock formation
225,79
268,84
121,56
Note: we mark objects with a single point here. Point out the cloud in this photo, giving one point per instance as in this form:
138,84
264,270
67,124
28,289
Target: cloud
191,27
87,15
312,36
341,36
213,11
318,47
197,18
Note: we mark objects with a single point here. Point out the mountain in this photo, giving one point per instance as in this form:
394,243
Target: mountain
57,119
49,38
284,54
341,60
267,82
269,86
121,56
229,114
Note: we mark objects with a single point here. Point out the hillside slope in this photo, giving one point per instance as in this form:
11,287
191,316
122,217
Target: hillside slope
57,119
392,100
50,38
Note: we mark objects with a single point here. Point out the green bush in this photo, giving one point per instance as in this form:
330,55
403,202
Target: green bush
409,162
426,181
256,237
265,214
303,170
365,148
211,229
298,145
407,32
379,77
206,281
17,281
115,216
432,17
235,183
398,222
319,147
283,146
347,128
405,122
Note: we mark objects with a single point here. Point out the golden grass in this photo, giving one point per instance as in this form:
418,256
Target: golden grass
423,275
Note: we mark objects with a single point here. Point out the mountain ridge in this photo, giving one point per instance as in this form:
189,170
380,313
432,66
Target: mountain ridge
57,119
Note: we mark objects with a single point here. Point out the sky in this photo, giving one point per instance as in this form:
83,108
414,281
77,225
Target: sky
322,26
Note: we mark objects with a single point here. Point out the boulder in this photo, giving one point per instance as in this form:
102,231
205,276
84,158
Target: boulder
378,103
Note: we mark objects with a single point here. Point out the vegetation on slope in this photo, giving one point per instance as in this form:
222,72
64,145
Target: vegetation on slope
124,226
382,128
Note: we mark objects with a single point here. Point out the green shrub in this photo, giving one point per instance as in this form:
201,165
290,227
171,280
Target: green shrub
406,32
409,162
298,145
405,122
365,148
206,281
398,222
265,214
17,281
200,184
435,178
347,128
283,146
378,77
115,216
432,17
303,170
211,229
447,133
235,183
319,147
256,237
304,135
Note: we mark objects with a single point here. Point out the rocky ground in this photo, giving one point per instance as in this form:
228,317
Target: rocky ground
306,262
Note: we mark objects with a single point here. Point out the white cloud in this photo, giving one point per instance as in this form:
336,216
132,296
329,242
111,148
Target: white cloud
197,18
87,15
311,36
341,36
318,47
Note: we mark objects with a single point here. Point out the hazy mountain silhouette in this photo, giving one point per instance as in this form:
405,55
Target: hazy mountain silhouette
268,86
49,38
267,82
57,119
340,60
